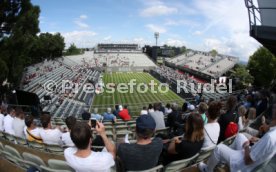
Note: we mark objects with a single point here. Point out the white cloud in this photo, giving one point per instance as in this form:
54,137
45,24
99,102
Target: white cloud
174,42
80,38
158,10
83,16
80,22
108,38
231,21
156,28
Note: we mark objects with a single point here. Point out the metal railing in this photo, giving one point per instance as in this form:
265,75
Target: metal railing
254,13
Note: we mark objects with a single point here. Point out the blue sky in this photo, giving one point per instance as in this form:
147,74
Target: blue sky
197,24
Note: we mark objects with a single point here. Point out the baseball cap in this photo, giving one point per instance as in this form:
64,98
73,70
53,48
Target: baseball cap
145,122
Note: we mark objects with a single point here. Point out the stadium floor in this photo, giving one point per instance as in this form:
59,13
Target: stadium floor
135,100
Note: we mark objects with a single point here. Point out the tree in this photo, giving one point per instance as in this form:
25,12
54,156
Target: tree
9,12
214,53
19,26
262,65
242,75
73,50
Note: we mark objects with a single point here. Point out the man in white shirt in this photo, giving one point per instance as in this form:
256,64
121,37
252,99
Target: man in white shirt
81,158
48,134
2,109
65,137
8,119
32,132
240,156
18,124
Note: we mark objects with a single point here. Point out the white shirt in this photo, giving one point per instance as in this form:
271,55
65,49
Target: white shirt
66,139
51,136
260,152
213,130
2,122
35,132
144,112
8,124
95,162
18,126
168,111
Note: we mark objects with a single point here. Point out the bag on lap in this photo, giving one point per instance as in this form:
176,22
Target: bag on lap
231,129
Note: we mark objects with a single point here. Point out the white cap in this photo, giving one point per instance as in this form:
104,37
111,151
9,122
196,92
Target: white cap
191,107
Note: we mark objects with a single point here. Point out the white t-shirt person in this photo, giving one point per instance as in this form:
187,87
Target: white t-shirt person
95,162
8,124
211,134
18,126
1,122
66,139
51,136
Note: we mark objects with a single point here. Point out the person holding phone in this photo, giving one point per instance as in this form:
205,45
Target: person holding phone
81,158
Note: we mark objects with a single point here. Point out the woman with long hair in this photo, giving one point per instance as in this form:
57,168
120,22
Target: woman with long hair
192,141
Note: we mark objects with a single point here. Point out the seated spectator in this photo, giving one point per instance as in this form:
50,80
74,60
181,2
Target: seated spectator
2,108
8,120
174,120
262,102
108,116
249,102
81,158
95,115
86,115
212,128
243,121
145,153
191,107
18,124
65,137
192,141
116,111
158,116
32,133
240,156
123,113
251,115
202,108
48,134
150,108
229,116
144,111
168,109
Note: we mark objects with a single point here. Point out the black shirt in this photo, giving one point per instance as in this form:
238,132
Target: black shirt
185,149
224,120
140,157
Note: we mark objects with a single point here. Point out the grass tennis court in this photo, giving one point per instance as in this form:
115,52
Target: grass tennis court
135,100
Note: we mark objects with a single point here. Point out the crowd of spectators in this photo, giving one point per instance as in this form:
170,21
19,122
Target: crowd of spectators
191,129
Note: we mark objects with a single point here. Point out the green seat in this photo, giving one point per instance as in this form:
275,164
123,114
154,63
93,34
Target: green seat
36,145
164,131
20,141
9,137
32,160
47,169
229,140
56,149
154,169
205,153
13,155
176,166
59,165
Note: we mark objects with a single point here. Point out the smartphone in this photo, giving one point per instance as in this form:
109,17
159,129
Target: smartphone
93,122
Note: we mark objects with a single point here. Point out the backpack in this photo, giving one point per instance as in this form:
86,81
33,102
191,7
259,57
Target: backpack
231,129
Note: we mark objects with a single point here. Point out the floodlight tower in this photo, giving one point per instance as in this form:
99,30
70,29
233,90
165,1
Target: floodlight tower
156,36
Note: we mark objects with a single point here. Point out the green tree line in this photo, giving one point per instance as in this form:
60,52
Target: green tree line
21,43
